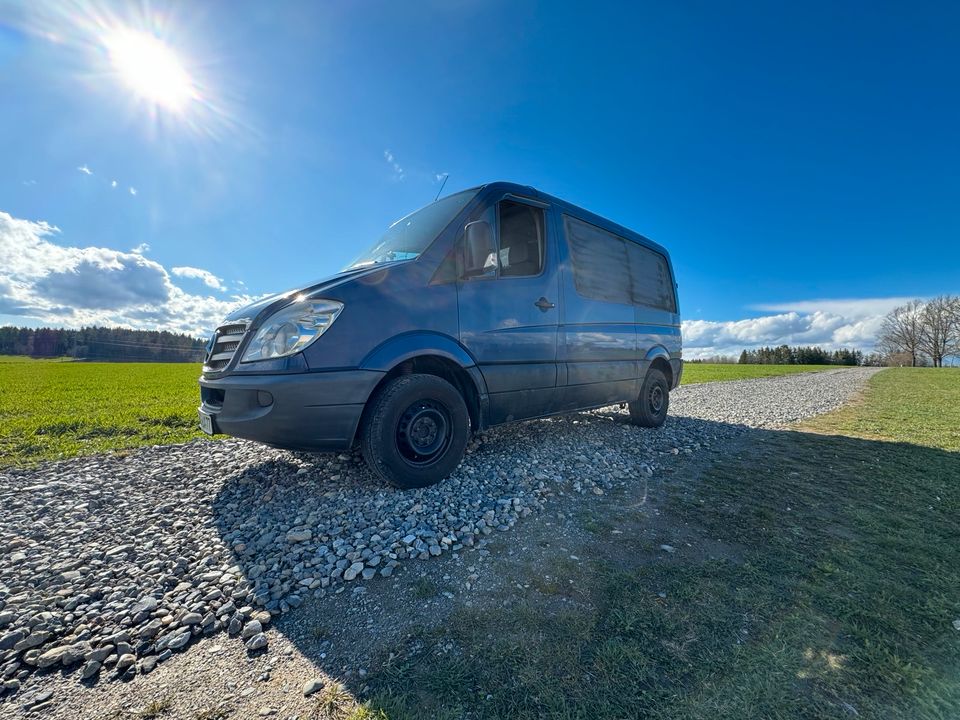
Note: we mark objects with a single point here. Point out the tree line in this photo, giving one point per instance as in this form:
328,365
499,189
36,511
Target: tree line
102,343
923,332
787,355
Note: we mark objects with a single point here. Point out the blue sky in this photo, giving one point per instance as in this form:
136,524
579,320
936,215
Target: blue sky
801,163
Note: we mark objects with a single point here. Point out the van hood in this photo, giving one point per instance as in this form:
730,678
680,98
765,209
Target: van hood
265,306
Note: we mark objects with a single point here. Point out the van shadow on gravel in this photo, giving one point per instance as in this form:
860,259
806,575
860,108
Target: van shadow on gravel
766,570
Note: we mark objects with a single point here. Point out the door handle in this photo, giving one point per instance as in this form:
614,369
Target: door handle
544,304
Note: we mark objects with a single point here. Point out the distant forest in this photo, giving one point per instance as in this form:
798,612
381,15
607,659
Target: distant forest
101,343
786,355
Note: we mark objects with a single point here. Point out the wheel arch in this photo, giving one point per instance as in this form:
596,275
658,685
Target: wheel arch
658,357
431,354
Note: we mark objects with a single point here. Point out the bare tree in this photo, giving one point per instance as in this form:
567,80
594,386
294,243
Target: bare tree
951,345
902,330
939,329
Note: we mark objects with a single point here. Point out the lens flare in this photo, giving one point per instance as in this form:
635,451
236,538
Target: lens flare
151,69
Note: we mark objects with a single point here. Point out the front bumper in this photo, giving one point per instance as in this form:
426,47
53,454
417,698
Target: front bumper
316,411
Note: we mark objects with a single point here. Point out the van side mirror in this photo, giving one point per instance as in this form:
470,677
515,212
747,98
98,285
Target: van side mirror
477,248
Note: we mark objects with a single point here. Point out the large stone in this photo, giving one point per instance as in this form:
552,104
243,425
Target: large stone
147,604
11,638
298,536
52,657
250,629
100,654
351,572
33,640
90,669
257,642
75,653
312,686
179,641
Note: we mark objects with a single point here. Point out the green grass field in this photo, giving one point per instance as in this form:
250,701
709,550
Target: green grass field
704,372
51,409
899,409
814,577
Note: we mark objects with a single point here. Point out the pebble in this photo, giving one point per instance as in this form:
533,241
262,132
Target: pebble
250,629
257,642
312,686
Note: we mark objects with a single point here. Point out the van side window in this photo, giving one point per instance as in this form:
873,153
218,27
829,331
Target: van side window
609,268
652,284
600,269
522,244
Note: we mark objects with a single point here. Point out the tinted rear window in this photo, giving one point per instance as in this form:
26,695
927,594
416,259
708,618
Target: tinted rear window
609,268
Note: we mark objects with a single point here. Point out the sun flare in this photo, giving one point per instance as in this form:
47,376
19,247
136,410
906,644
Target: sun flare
151,69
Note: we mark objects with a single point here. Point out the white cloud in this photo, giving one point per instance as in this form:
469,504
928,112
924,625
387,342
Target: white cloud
133,191
831,324
65,285
392,162
141,249
113,183
852,307
205,276
85,170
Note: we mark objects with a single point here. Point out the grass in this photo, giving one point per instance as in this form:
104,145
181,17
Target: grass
51,409
424,587
709,372
899,407
835,597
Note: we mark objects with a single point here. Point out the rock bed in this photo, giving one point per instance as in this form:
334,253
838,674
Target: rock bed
109,564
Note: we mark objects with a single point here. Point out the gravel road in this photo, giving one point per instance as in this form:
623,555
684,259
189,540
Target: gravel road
112,564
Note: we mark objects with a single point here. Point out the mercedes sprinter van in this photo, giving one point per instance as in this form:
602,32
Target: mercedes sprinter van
494,304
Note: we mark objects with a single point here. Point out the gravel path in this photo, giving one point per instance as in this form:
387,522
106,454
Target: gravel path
111,564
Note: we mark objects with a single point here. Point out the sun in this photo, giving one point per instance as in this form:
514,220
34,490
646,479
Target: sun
151,69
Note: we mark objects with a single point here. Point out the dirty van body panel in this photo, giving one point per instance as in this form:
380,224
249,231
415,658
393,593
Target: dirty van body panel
379,307
659,339
599,349
597,338
512,338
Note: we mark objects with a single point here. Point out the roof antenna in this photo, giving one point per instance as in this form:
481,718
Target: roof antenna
445,176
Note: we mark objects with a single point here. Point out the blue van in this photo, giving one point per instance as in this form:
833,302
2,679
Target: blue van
494,304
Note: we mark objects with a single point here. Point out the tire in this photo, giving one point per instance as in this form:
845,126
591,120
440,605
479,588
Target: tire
650,409
415,431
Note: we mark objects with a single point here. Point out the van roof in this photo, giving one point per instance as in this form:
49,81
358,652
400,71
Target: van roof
598,220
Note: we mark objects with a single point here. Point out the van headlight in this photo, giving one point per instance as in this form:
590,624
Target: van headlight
291,329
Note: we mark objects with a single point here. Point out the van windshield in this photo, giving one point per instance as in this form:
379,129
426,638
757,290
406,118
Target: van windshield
410,236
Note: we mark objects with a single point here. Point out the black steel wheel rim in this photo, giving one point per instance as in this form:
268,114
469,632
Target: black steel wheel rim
656,399
424,433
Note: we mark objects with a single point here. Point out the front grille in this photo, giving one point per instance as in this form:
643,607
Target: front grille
226,340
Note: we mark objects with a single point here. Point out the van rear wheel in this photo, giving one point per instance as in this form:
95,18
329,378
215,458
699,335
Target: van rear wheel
415,431
650,408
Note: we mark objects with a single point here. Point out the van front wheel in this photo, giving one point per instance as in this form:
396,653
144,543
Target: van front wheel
415,431
650,409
